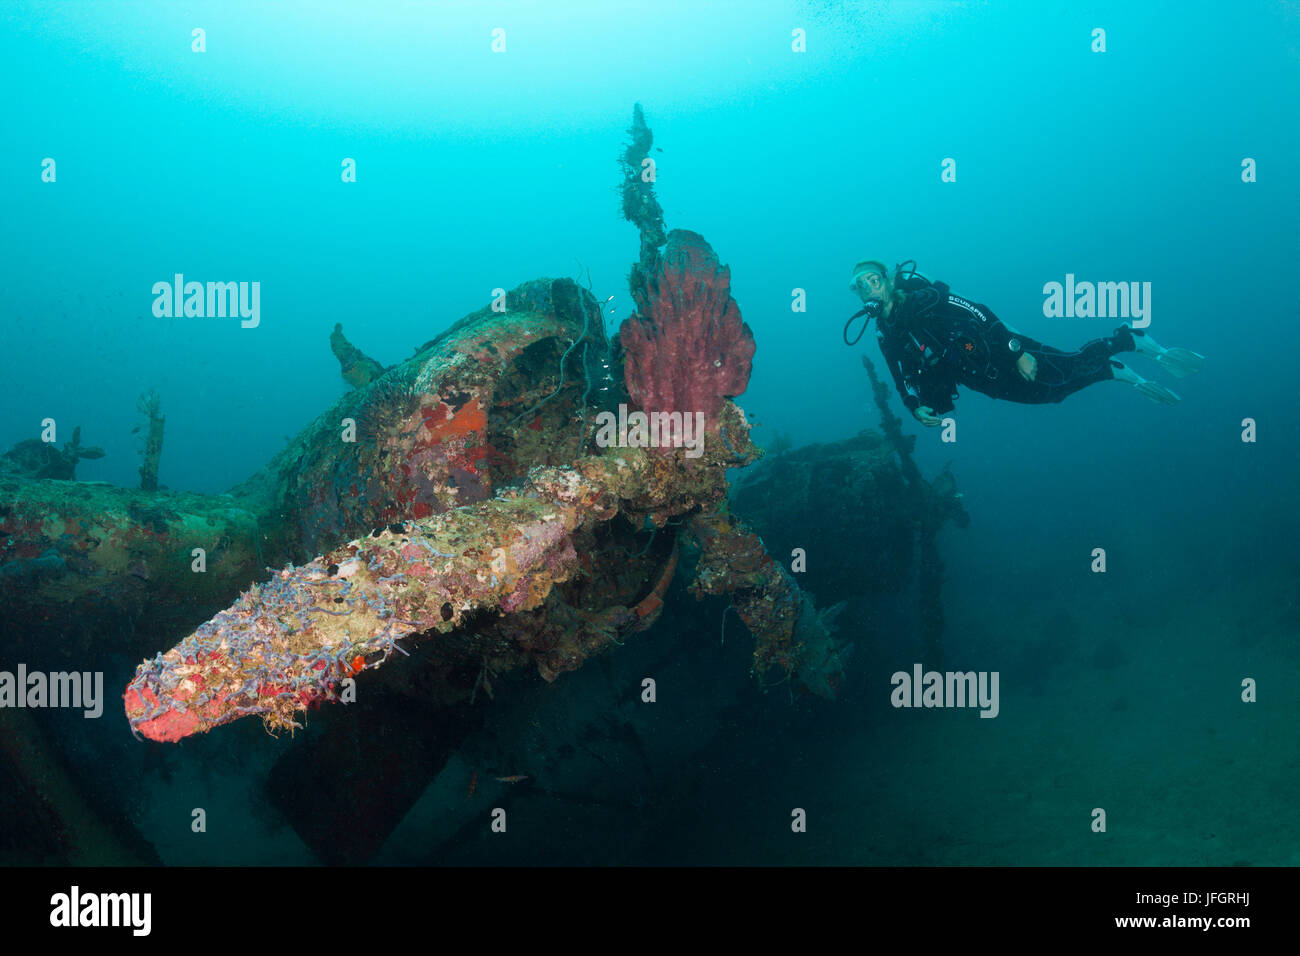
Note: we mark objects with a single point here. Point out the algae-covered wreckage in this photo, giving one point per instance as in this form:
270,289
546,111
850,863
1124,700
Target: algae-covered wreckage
463,515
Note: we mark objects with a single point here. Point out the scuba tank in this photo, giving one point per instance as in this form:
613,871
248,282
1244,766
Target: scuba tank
908,279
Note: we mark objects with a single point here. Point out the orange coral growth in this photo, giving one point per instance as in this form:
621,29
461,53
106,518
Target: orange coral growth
444,422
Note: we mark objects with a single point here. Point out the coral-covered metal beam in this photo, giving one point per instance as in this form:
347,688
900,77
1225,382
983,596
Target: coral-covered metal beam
288,644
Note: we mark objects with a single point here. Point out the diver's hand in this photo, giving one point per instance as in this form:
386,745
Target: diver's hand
925,415
1028,366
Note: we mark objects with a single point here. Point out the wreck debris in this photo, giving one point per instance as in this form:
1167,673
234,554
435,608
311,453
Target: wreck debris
440,430
150,405
488,573
38,459
288,643
936,503
74,452
447,476
640,206
790,635
688,350
81,558
847,504
75,558
893,426
358,368
588,336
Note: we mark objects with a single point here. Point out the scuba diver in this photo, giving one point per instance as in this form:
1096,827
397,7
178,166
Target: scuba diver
934,341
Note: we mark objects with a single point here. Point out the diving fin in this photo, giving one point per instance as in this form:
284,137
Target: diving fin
1181,362
1177,362
1152,390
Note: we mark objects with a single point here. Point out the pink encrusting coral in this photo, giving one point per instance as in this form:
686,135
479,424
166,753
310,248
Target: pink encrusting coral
687,349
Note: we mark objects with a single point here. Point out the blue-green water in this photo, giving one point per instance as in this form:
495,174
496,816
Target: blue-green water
478,169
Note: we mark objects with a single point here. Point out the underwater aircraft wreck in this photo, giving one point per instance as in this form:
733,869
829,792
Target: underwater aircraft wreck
463,515
449,525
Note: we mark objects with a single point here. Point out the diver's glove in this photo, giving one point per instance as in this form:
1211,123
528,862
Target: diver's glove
925,415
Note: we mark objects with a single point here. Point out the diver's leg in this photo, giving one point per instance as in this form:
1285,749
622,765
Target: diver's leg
1094,362
1061,374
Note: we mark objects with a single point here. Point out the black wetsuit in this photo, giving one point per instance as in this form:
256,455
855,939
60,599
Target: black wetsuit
934,341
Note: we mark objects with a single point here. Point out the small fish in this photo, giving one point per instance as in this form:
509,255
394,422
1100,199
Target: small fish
513,778
473,784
